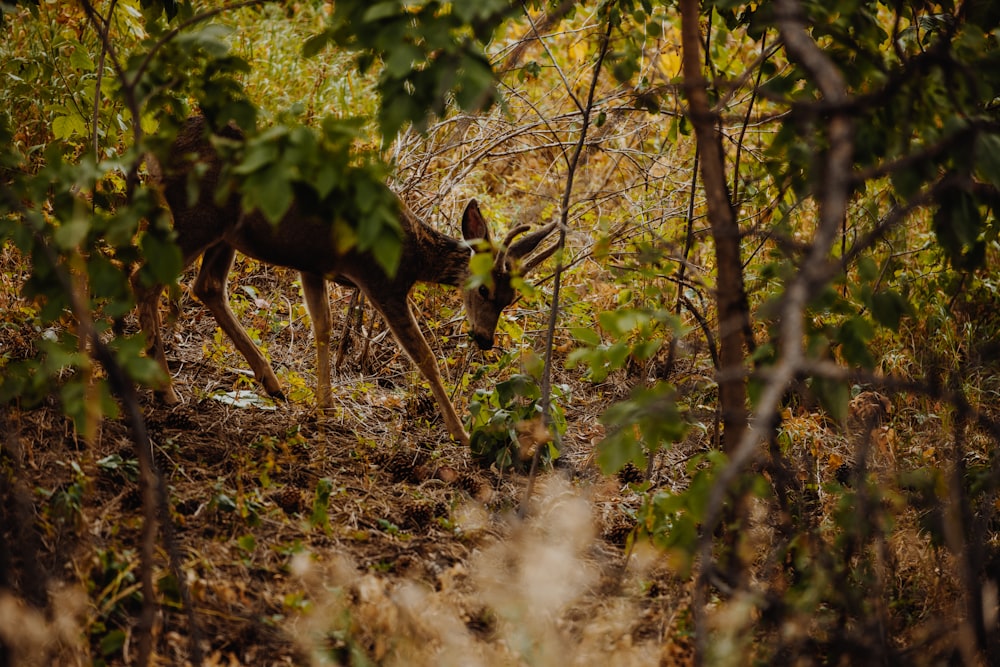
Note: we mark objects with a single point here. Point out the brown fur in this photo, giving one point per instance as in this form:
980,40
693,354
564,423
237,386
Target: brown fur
216,230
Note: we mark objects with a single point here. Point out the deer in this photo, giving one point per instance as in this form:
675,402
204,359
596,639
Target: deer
216,229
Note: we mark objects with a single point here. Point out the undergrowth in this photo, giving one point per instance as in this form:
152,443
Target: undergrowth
363,536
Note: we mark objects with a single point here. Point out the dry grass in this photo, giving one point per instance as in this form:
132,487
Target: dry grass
421,559
413,525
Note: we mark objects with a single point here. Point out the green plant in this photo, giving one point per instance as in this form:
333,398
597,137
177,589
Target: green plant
320,516
114,587
504,423
636,333
125,469
652,416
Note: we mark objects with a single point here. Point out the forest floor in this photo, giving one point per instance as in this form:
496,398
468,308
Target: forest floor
362,533
365,535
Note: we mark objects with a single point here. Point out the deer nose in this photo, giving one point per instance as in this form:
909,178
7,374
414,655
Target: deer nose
484,341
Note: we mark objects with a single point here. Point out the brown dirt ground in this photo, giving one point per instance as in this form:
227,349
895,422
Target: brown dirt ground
408,511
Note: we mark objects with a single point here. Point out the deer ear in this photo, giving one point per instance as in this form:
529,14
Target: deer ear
473,225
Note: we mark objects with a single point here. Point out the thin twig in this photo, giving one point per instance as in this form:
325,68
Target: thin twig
105,44
156,503
546,388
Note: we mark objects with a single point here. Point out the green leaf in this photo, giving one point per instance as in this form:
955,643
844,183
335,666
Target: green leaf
888,307
519,385
620,322
65,127
833,395
586,336
644,350
388,250
112,642
402,59
867,269
210,38
854,336
619,449
618,354
476,83
225,503
320,515
672,131
272,193
80,59
988,158
247,543
315,44
163,258
142,369
698,493
648,419
580,355
71,234
108,281
259,154
480,270
380,11
325,180
958,225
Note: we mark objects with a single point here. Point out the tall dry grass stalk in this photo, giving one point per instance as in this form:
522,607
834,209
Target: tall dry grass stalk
33,637
524,598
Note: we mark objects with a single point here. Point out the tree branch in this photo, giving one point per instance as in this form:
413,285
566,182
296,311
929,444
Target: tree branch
546,388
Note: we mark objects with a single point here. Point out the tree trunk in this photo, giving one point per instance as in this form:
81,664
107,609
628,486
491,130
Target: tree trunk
731,301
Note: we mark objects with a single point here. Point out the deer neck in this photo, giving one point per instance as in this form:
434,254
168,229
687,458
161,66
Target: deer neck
432,257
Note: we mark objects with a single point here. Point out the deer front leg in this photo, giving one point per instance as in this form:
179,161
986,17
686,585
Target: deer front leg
317,301
210,288
406,330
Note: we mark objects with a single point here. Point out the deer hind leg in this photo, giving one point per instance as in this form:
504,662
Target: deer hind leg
148,300
406,330
211,289
317,300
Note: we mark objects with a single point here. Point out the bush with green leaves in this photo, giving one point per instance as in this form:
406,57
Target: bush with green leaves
503,424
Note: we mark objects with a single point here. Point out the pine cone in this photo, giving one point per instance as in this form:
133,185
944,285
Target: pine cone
631,474
869,409
421,406
470,484
289,500
188,506
132,499
402,465
618,530
178,419
417,514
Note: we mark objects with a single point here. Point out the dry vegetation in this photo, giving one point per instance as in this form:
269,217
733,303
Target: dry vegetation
420,559
364,535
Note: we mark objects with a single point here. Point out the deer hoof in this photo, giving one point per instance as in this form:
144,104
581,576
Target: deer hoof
167,396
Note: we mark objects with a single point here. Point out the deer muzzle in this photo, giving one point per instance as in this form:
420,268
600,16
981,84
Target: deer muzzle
483,340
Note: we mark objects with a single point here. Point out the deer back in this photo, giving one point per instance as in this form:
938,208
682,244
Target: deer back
303,239
204,215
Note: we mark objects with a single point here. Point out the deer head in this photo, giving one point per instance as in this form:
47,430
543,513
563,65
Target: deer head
485,302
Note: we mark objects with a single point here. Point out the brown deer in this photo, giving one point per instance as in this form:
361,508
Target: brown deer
215,229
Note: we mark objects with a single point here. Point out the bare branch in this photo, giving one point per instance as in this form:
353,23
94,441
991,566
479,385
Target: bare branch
546,388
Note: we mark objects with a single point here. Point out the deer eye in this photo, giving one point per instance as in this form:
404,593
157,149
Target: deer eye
484,291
